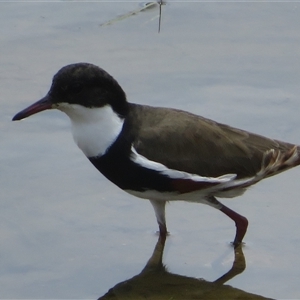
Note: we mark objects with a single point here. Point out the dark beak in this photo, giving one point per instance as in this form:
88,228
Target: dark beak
43,104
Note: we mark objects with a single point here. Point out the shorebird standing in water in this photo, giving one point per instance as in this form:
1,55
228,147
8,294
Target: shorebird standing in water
161,154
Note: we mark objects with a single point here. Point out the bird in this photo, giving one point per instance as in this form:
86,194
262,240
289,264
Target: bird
161,154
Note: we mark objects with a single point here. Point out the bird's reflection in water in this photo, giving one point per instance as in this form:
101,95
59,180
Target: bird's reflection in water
156,283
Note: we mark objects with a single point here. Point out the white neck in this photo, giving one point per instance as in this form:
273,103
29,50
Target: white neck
93,129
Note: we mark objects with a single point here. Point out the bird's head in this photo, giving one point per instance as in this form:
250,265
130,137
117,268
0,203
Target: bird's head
80,85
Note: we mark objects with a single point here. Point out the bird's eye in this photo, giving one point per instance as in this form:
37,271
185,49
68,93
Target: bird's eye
76,87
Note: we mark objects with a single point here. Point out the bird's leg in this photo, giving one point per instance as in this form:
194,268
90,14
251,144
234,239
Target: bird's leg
241,222
159,209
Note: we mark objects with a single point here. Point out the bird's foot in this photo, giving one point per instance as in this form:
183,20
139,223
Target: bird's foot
235,244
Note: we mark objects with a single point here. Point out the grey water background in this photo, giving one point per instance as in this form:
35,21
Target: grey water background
65,231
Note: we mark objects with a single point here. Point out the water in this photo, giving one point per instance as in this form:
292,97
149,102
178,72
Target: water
66,232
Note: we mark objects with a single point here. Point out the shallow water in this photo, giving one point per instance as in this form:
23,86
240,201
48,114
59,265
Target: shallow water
65,231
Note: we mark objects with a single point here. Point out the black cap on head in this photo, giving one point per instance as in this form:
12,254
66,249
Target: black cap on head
84,84
89,86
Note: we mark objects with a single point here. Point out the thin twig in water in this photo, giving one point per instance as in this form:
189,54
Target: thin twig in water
160,3
159,20
129,14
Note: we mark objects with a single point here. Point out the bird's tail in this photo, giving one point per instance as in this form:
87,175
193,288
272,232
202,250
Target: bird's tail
276,161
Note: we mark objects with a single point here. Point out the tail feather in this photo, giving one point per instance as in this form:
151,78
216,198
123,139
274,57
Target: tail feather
276,161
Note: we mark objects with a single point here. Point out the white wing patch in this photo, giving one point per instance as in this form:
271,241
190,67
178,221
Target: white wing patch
274,161
175,174
226,186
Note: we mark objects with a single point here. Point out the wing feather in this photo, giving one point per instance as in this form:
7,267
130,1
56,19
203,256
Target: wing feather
190,143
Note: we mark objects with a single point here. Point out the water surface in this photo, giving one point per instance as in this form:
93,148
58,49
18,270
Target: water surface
65,231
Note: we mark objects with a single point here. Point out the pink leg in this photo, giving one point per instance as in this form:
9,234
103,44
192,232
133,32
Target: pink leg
241,224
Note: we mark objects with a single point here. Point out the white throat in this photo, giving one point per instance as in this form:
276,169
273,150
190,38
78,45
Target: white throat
93,129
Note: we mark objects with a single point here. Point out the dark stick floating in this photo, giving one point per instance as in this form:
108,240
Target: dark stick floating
161,154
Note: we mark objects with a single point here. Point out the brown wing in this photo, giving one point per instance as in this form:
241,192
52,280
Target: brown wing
193,144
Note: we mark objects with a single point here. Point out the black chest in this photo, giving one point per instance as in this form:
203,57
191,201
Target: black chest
128,175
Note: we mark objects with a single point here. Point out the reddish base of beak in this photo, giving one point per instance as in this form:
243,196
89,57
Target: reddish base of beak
43,104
